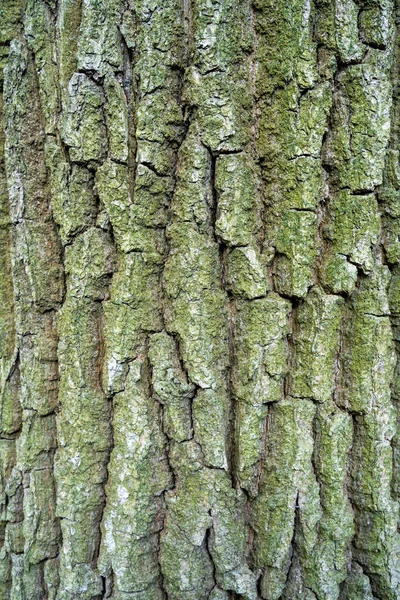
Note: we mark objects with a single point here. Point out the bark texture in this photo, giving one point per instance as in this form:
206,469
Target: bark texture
199,300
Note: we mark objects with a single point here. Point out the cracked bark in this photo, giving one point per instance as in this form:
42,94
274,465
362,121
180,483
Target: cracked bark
199,300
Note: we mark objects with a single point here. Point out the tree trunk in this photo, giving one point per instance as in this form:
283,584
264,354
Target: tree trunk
199,300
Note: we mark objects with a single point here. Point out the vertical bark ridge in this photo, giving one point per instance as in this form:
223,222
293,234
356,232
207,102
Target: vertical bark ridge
388,198
358,274
38,293
294,278
205,562
294,101
10,406
140,471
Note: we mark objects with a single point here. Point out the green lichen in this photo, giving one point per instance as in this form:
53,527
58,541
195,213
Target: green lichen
260,365
352,231
316,343
287,488
199,300
139,473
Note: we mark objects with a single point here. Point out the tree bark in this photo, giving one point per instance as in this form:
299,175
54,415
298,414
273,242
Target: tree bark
199,300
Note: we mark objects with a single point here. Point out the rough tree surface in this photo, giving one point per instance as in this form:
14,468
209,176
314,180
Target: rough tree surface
199,300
